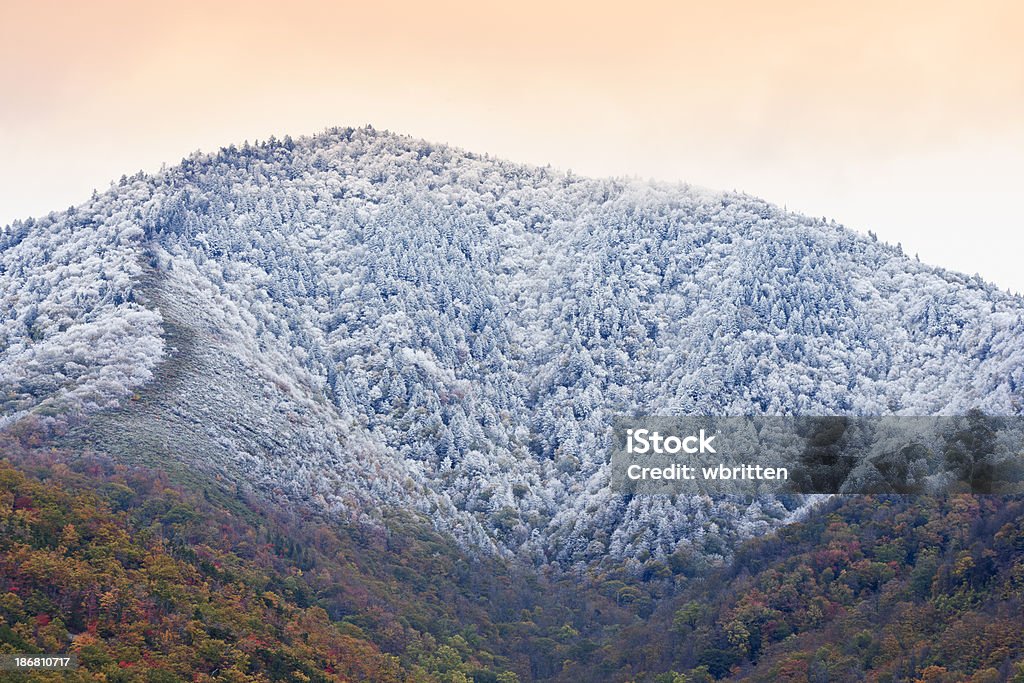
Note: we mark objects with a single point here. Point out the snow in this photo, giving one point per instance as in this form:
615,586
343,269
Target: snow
385,322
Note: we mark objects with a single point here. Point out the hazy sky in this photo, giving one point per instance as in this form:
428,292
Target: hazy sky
905,118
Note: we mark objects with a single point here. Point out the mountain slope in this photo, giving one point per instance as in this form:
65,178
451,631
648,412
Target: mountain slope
359,320
145,580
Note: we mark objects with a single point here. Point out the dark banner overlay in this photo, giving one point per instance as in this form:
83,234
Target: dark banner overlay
973,453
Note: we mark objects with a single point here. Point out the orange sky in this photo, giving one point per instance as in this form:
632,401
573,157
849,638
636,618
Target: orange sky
906,118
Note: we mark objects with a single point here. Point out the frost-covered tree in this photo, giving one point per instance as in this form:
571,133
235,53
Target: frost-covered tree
361,319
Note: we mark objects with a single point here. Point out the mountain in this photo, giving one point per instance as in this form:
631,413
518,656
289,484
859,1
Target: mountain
360,322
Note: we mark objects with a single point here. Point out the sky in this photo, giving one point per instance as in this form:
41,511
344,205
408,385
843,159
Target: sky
903,118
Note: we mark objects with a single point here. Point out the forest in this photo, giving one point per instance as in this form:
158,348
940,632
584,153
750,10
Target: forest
339,408
360,322
149,579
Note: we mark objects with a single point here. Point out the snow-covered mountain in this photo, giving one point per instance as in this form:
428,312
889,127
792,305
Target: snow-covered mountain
360,320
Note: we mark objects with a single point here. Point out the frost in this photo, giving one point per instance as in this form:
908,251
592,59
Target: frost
374,320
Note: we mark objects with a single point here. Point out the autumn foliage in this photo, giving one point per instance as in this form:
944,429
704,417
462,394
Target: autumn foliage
149,579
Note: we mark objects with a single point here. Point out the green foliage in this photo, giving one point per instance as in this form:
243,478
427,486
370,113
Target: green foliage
867,588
